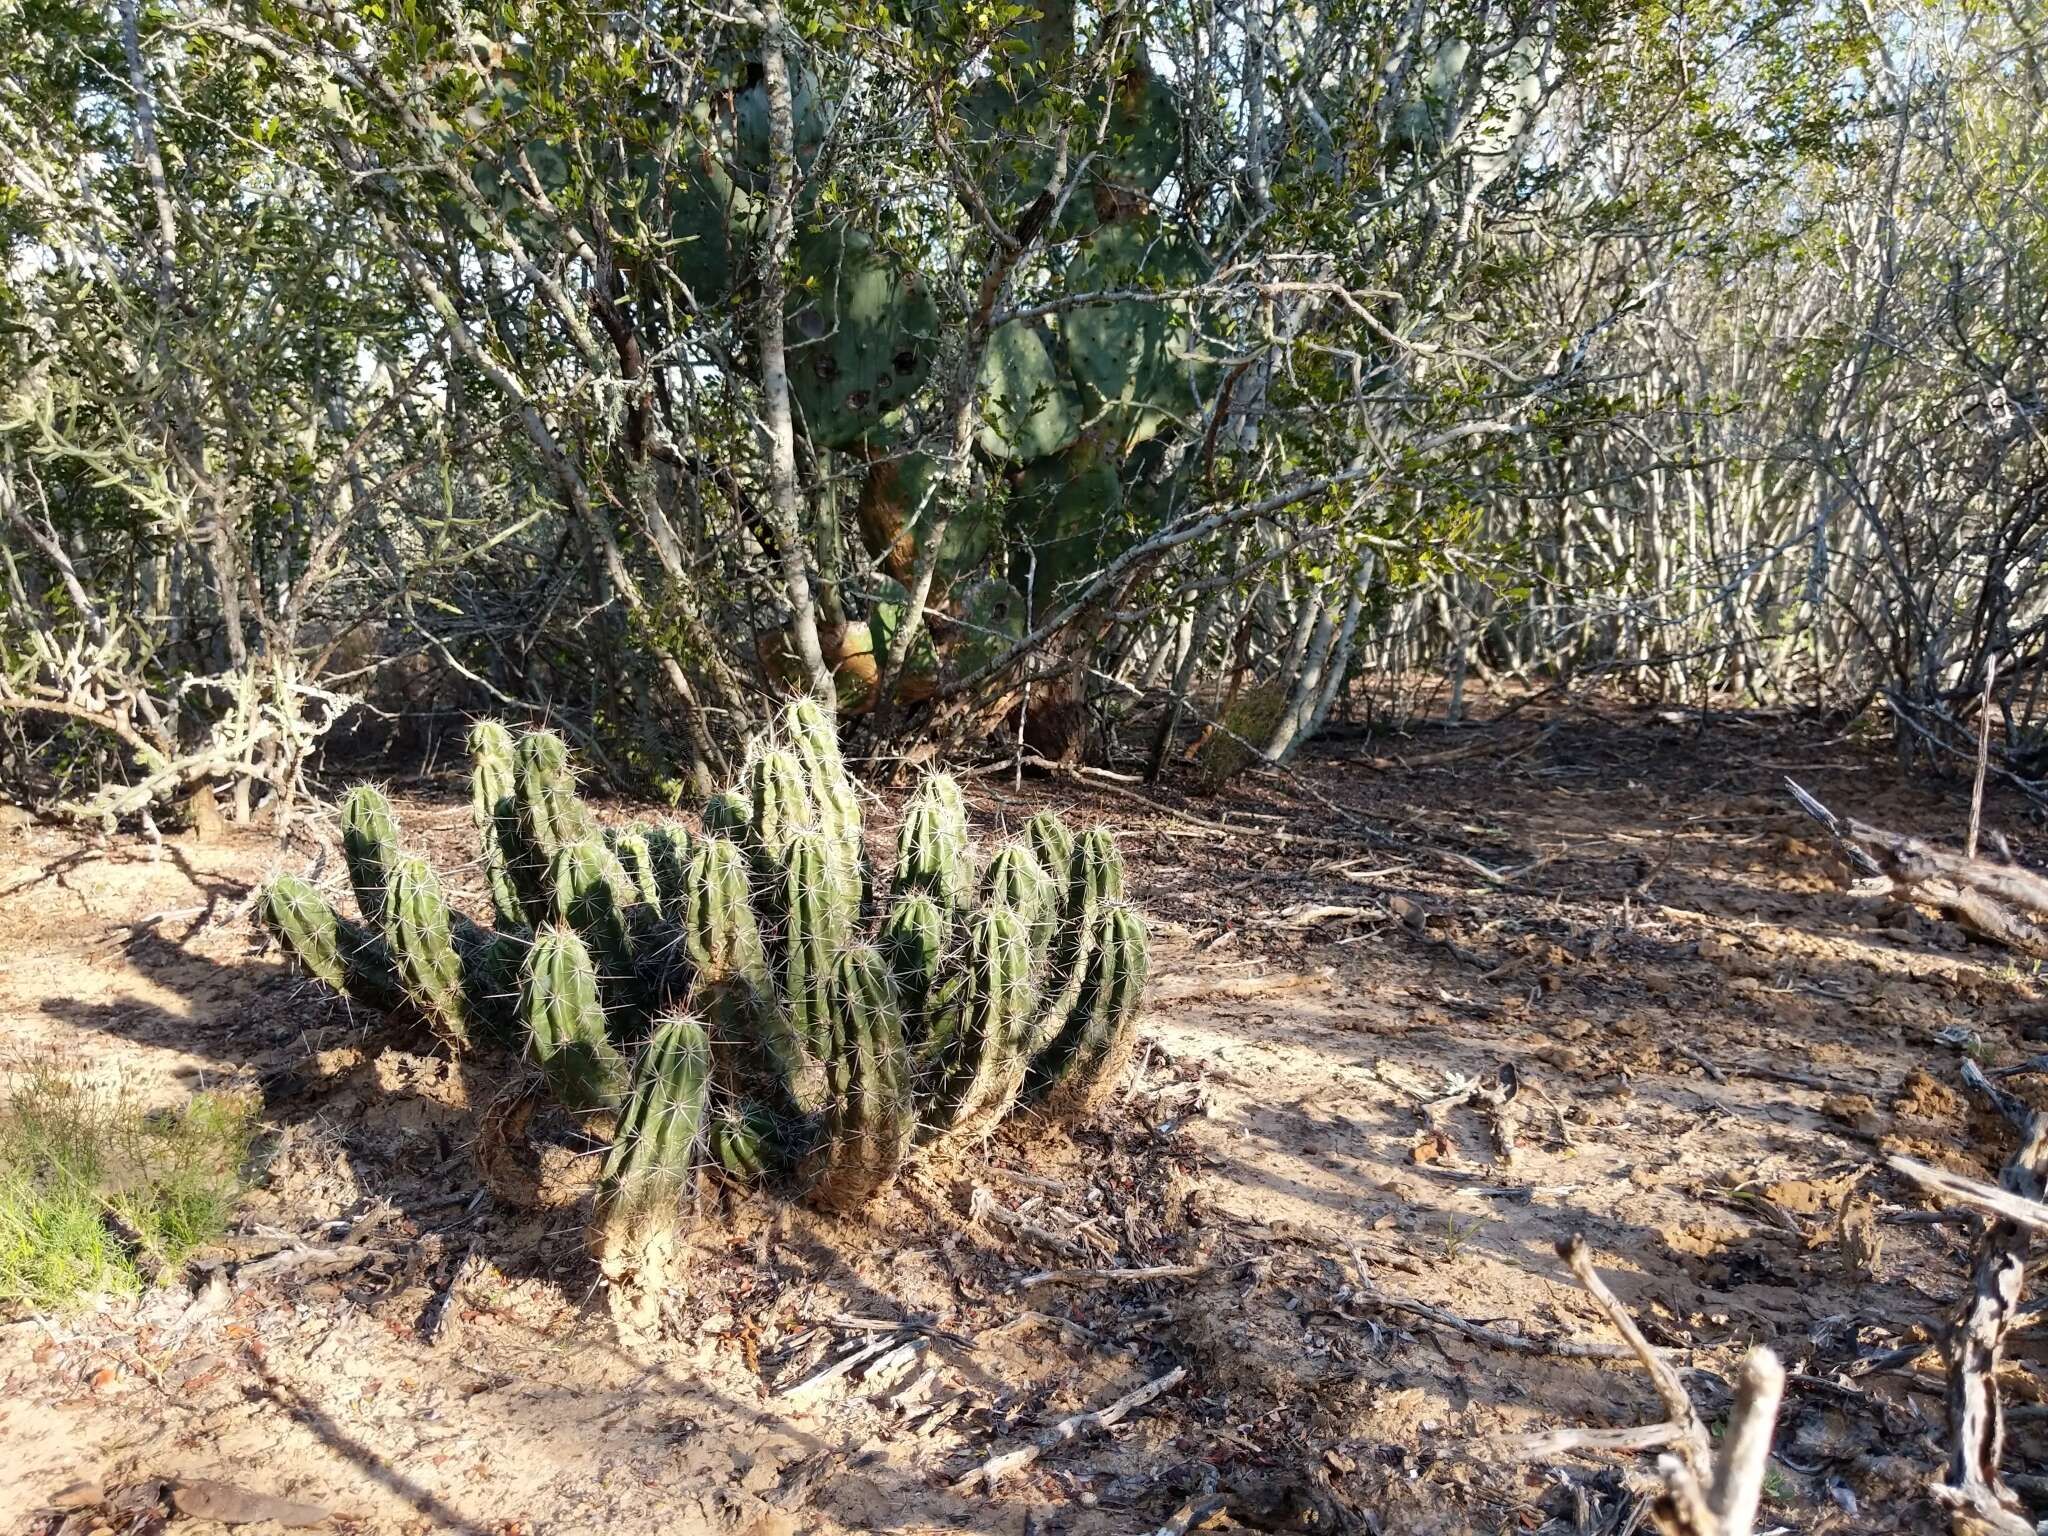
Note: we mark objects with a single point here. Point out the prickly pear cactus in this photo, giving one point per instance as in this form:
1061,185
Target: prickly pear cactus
565,1025
1078,1072
869,1116
369,844
863,330
651,1170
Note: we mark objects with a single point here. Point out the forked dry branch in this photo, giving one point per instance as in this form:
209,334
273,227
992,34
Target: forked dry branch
1705,1493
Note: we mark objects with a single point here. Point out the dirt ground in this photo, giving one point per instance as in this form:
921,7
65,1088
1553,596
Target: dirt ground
1619,910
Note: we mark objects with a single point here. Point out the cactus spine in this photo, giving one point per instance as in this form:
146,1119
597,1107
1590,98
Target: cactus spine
493,771
931,847
650,1167
564,1023
1080,1069
369,842
869,1116
417,931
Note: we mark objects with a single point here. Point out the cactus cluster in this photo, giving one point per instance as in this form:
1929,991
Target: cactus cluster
749,996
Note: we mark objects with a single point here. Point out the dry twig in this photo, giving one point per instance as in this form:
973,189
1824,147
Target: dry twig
991,1472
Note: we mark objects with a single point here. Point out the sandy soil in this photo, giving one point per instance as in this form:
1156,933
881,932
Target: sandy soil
1714,1049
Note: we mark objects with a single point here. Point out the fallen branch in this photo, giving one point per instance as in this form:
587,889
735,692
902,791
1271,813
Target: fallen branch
996,1468
1977,1195
1704,1494
1981,894
1108,1276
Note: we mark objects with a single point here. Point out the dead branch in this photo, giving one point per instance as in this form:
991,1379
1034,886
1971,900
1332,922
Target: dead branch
1692,1440
1107,1276
1704,1494
1980,894
996,1468
1974,1489
1998,1203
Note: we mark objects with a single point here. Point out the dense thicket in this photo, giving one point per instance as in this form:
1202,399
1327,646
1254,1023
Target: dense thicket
1002,368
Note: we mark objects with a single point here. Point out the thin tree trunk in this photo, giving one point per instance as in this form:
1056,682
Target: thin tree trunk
778,427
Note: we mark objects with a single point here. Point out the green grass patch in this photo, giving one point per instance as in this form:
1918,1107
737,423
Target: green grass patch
98,1195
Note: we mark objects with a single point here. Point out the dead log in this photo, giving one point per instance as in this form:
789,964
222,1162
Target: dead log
1989,898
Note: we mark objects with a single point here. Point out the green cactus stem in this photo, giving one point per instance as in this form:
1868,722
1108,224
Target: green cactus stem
913,942
493,771
931,846
590,892
345,955
1052,845
972,1061
1079,1071
812,933
1015,880
563,1017
651,1169
492,965
814,740
548,816
1095,878
720,935
418,932
635,854
746,1142
726,814
369,843
869,1116
669,847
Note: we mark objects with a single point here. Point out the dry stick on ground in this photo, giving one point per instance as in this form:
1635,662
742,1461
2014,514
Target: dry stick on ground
1704,1494
998,1467
1983,758
1974,1488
